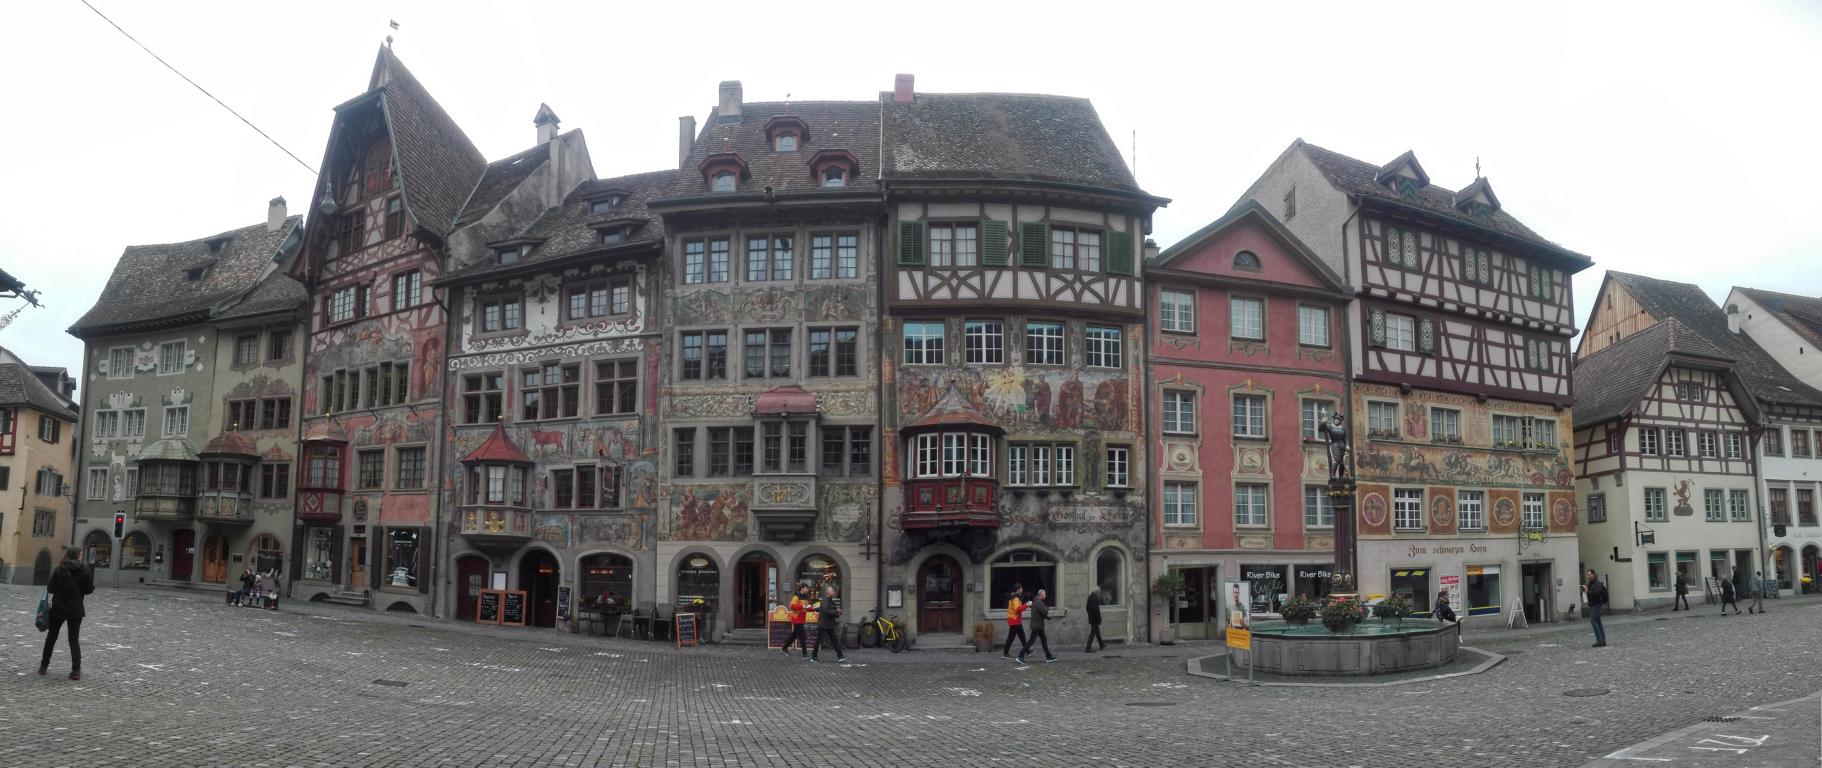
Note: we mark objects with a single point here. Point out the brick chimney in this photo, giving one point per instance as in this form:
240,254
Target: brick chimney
730,99
903,89
546,121
686,138
275,214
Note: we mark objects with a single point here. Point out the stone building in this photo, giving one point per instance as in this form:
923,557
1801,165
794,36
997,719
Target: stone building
1246,360
1013,443
1460,394
38,461
1780,333
192,370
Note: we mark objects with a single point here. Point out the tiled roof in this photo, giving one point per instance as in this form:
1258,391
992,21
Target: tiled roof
1021,137
231,443
569,230
497,448
168,449
438,165
500,178
277,293
150,283
19,387
1689,304
1803,314
1608,382
1357,177
851,126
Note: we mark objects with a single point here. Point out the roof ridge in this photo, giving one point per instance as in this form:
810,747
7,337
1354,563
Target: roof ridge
1769,292
216,236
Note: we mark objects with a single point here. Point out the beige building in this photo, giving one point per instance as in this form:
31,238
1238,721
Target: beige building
37,432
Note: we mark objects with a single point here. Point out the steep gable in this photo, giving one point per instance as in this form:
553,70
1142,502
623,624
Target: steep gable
1220,248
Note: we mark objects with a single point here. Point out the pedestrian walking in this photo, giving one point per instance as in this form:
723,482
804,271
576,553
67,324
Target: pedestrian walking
1682,594
1596,594
1727,596
1015,621
1444,611
1759,587
799,607
69,582
828,625
1039,612
1094,622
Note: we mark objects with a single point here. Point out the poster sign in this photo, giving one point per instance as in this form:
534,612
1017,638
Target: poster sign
686,630
487,606
512,608
1241,639
563,603
1449,583
1237,603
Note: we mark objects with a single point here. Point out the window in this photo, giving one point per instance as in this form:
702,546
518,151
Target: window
1407,509
1508,431
684,457
1088,251
275,413
599,299
1648,441
1247,318
1806,507
847,451
834,256
369,469
834,177
1657,570
1246,261
1318,507
1739,506
1531,511
278,345
550,391
693,251
574,488
246,349
341,305
923,342
1445,425
1541,284
275,480
1778,500
1382,420
1249,506
1471,510
177,421
120,363
720,453
353,231
401,557
1774,441
834,351
705,261
954,245
107,424
1673,440
502,314
984,342
407,290
170,357
1110,576
1118,467
1075,249
322,467
705,355
723,182
1542,433
1180,504
1177,311
1179,412
769,258
1734,445
1689,390
1401,332
1249,416
1314,413
482,395
1043,343
133,423
410,470
50,430
98,484
786,142
242,414
616,387
1655,511
1711,505
1476,266
926,457
1706,445
767,353
1102,346
1033,570
1312,326
1799,443
1040,464
1597,507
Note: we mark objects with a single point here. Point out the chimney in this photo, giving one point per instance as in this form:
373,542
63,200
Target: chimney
546,121
730,99
275,214
686,138
903,91
1733,318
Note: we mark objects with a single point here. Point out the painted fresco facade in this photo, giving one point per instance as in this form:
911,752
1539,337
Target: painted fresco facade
1246,339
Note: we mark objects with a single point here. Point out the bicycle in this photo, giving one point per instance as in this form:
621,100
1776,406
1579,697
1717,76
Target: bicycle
877,630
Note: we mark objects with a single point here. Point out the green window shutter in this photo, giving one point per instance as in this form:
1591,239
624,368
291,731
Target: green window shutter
993,243
1119,253
910,243
1378,328
1034,244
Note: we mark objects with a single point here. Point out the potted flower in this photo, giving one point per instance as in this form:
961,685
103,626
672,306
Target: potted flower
1169,586
1340,614
983,636
1392,609
1297,610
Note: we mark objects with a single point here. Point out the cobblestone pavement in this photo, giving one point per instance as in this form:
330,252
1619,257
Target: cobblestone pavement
178,679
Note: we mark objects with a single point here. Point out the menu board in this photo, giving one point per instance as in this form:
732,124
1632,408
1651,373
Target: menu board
512,608
686,633
563,603
778,627
487,606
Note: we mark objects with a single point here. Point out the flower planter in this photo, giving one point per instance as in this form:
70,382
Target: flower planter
1339,627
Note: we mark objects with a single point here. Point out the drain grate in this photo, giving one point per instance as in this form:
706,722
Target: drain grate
1151,703
1583,692
391,683
1720,719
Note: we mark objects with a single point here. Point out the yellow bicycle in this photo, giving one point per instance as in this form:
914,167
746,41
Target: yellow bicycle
878,630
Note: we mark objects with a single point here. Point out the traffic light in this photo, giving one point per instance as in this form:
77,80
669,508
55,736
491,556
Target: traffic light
120,524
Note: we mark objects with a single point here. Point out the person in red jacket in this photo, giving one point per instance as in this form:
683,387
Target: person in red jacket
799,607
1015,623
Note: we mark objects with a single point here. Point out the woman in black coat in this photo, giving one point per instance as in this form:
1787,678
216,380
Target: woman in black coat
69,583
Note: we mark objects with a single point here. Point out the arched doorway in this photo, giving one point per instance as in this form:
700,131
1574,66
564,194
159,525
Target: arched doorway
939,596
698,578
41,568
471,578
98,549
607,577
215,558
268,557
815,571
1812,570
539,575
756,582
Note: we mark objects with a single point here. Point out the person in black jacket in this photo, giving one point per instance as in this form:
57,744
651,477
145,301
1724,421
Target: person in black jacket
69,582
1094,622
1039,612
1727,596
1597,602
246,587
1443,611
1682,594
828,625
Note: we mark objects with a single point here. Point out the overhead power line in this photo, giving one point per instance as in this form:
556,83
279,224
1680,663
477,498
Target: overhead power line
205,91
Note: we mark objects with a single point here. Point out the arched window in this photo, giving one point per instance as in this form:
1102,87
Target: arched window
698,578
1110,576
723,182
1246,260
268,557
816,570
97,549
835,177
1028,568
607,577
787,142
136,551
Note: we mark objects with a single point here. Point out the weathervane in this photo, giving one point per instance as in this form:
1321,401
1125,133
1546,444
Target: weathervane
395,27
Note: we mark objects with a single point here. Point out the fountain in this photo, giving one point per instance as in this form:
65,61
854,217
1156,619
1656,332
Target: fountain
1369,648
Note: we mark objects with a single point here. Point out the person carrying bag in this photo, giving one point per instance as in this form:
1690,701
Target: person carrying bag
63,600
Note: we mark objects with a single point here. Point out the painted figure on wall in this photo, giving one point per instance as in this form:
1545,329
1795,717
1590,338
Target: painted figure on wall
715,515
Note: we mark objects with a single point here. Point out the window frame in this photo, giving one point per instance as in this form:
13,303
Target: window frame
481,395
950,254
117,371
1184,422
401,479
1404,507
1323,508
1394,318
925,353
1177,318
172,364
1661,514
553,401
1327,325
1252,506
1186,514
616,385
1470,509
1108,347
1261,420
710,364
1116,467
1041,345
1238,325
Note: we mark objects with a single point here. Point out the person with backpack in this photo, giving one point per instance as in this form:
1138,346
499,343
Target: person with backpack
70,581
1015,621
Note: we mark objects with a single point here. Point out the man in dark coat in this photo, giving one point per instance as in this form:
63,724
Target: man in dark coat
828,625
69,582
1682,594
1035,625
1727,596
1597,602
1094,622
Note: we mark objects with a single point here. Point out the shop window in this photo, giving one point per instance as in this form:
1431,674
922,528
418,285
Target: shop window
698,578
1483,590
607,580
401,557
136,552
1414,585
319,554
98,549
1032,569
1689,569
815,571
1110,576
1267,584
1313,581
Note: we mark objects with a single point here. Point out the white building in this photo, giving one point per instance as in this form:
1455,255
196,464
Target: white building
1789,329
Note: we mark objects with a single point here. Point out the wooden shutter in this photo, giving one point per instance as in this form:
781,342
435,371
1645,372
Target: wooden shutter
1378,328
423,567
993,243
910,243
1119,253
1426,336
1034,244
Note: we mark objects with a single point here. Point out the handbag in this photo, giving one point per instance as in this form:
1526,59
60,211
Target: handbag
44,613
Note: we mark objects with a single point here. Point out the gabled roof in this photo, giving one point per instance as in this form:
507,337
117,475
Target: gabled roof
1480,187
150,285
1362,179
953,410
168,449
1001,136
20,387
438,166
1251,210
847,125
1408,160
1690,305
500,178
572,230
497,448
1802,314
1609,382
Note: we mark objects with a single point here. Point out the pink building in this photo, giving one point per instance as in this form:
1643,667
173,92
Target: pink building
1247,358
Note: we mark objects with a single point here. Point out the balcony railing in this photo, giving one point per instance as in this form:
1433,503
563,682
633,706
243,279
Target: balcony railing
784,505
167,508
495,524
951,502
230,509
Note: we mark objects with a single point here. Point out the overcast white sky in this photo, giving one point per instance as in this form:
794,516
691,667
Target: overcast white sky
1677,140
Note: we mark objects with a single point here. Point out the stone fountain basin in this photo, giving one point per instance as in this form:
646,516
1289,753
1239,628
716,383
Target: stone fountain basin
1372,648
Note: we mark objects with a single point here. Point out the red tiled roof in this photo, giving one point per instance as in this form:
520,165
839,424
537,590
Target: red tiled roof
953,410
230,444
497,449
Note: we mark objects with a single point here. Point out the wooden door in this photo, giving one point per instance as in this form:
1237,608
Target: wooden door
357,565
471,578
939,596
538,577
183,554
215,559
754,576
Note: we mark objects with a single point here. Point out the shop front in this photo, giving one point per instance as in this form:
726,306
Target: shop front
1485,577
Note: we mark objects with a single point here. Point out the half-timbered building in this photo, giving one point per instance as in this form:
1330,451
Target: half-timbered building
1788,329
1012,363
1460,379
1246,359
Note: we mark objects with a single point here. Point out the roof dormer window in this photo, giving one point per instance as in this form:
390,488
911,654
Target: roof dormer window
786,142
613,236
509,255
604,204
722,182
833,168
834,176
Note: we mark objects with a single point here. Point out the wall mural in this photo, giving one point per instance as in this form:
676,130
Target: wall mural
846,509
581,531
709,513
1464,464
1023,399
